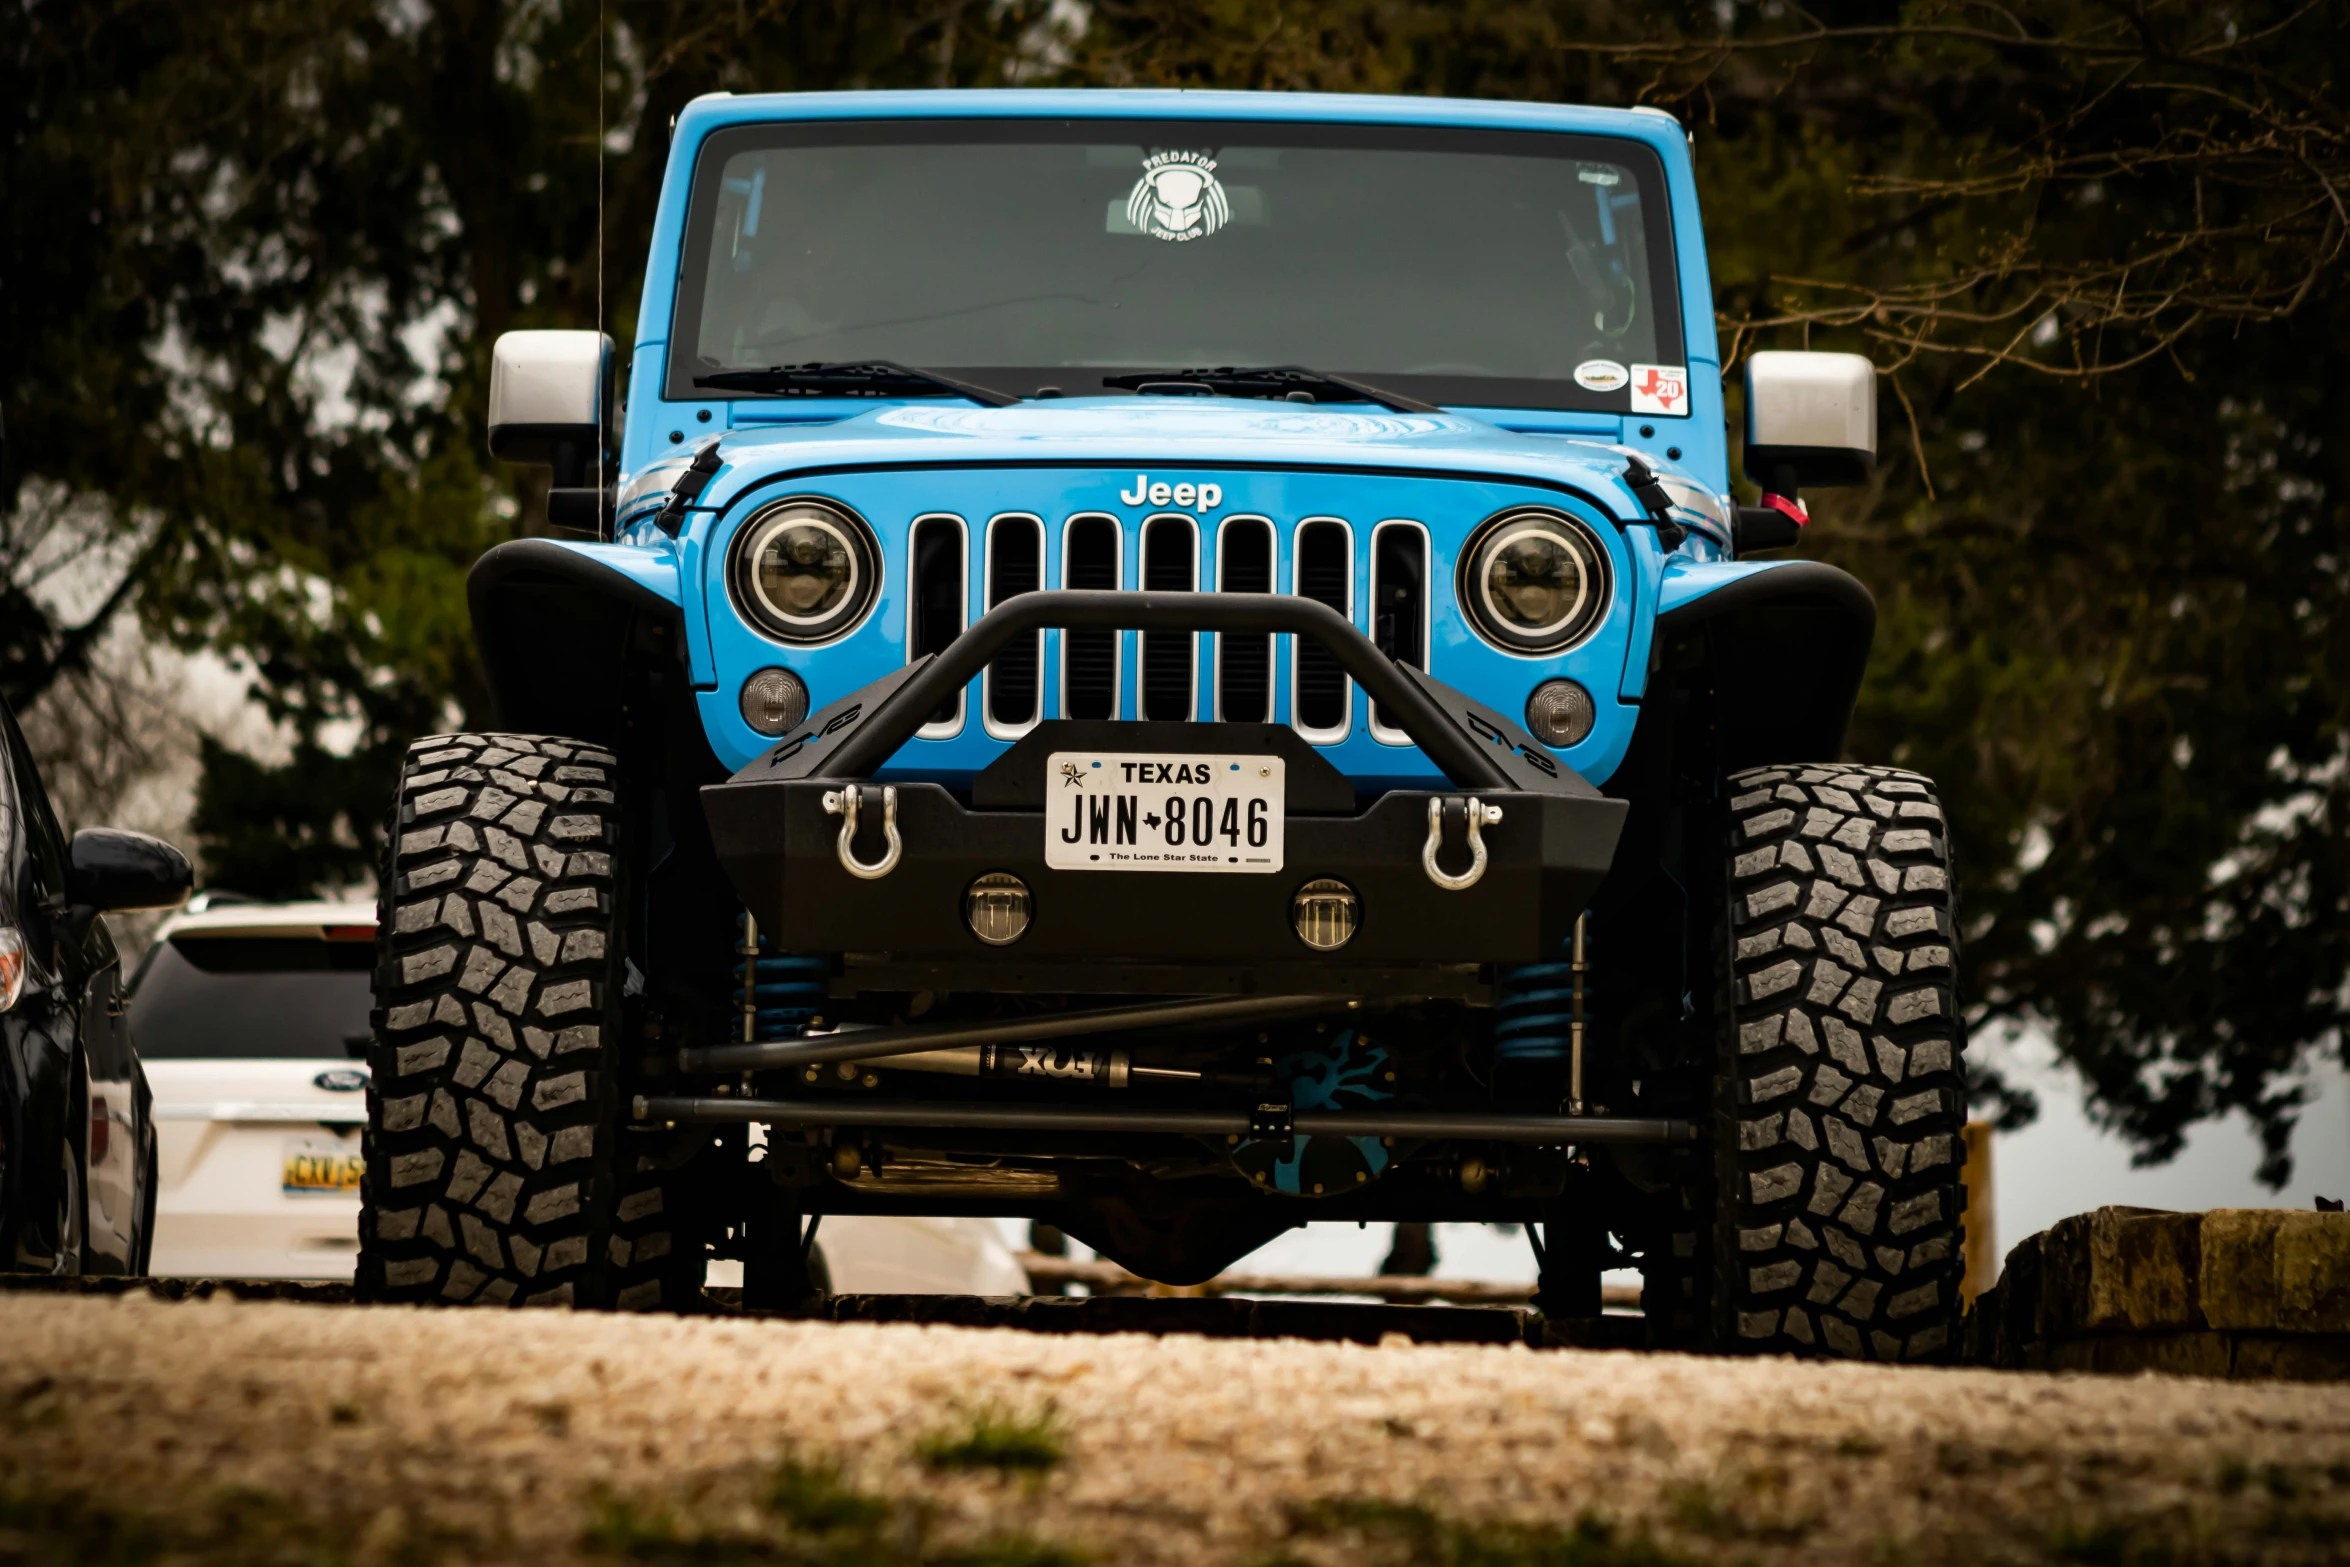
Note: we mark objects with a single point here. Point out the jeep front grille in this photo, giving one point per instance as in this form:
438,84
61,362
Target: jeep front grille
1399,606
934,604
1015,565
1170,564
1324,571
1090,547
1244,660
1169,559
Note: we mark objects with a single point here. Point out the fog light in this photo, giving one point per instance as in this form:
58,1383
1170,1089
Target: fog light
774,701
997,907
1560,713
1327,912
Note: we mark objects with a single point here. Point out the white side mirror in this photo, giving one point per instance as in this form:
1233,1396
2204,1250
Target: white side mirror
551,401
1811,419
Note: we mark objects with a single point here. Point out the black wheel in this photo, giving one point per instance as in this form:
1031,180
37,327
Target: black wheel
496,1171
1839,1090
70,1259
150,1170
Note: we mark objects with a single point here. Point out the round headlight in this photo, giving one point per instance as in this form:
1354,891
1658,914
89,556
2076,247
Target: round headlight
1534,581
805,570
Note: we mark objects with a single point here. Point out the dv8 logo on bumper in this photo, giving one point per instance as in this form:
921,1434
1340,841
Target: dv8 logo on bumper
1139,811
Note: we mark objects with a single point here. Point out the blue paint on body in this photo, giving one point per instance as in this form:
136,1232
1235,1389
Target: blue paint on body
893,460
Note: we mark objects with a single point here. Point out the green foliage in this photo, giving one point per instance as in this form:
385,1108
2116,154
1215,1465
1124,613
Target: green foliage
235,1526
999,1439
1410,1532
812,1498
817,1519
2114,607
254,255
1013,1550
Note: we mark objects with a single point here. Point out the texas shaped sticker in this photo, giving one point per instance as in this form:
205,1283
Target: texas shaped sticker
1660,389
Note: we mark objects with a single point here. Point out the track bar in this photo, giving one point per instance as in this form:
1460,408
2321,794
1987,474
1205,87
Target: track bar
697,1110
873,1044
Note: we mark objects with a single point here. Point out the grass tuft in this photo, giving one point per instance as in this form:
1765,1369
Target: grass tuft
1426,1538
817,1519
1017,1550
2096,1545
1000,1439
52,1530
812,1498
638,1533
235,1526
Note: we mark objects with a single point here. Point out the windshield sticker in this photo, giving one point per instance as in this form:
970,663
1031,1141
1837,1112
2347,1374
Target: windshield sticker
1660,389
1601,375
1178,197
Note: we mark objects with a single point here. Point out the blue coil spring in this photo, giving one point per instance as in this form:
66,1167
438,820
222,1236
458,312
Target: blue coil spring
787,988
1536,1008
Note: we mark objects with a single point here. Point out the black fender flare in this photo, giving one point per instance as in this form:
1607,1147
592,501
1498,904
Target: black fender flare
555,630
1786,649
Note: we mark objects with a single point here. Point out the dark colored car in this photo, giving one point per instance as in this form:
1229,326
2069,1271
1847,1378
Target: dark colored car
77,1134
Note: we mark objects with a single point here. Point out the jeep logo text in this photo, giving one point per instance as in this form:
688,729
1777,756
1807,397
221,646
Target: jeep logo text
1207,497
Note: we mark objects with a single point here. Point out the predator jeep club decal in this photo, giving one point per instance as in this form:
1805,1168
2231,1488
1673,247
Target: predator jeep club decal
1178,197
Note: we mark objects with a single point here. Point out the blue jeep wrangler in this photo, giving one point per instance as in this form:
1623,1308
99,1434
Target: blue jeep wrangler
1173,664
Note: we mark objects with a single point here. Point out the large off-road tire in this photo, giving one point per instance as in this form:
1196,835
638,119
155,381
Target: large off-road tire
496,1170
1839,1088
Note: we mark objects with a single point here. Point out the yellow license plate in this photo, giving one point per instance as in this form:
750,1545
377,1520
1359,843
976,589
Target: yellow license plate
317,1165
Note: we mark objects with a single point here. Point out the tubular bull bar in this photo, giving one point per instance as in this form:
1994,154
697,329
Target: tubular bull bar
1492,871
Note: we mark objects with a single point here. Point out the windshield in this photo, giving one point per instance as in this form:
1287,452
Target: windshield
1507,268
252,997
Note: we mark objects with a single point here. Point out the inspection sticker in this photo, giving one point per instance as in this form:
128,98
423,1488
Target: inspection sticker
1660,389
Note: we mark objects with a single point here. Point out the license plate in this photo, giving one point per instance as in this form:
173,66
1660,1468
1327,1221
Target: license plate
322,1166
1136,811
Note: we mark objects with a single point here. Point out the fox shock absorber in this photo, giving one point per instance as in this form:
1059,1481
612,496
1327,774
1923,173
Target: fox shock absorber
1044,1062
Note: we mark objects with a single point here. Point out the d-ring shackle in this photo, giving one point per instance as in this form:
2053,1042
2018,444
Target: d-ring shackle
843,803
1481,816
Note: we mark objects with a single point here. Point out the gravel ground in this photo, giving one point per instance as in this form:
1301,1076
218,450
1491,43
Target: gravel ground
212,1431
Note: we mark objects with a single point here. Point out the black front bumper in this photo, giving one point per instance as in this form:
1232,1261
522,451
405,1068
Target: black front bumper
1546,857
780,845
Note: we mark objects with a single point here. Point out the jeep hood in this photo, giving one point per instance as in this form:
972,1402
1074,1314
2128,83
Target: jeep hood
1165,435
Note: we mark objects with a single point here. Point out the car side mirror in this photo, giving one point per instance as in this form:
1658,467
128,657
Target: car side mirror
109,870
551,402
1811,419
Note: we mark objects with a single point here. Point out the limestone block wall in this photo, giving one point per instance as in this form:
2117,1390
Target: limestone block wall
2235,1292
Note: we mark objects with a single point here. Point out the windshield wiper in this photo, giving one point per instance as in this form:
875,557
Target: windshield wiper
850,378
1294,382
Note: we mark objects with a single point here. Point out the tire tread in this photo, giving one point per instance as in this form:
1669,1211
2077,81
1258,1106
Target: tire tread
1841,1093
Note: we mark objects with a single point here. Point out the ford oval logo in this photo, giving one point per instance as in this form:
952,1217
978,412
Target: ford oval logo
341,1079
